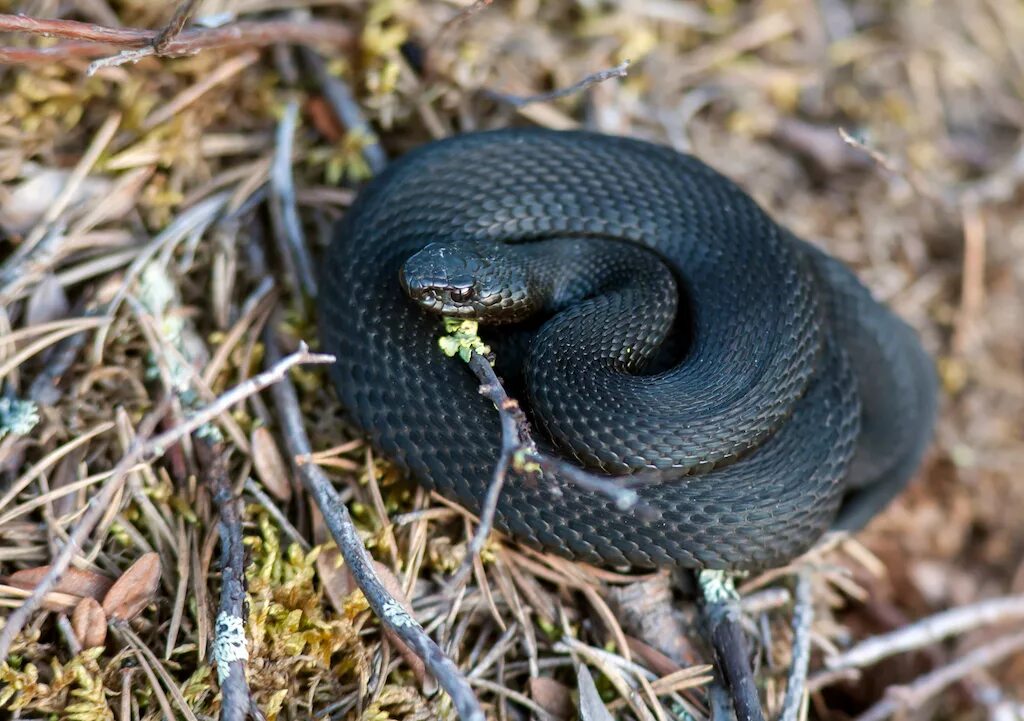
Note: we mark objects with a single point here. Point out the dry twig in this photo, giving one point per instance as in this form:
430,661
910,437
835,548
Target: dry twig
182,14
346,109
229,644
339,523
929,630
519,101
916,694
285,214
91,41
721,613
803,616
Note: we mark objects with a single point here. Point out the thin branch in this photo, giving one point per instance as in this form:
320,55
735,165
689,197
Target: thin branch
182,14
512,441
279,518
457,19
143,449
929,630
339,523
803,616
285,214
519,101
229,644
721,612
914,695
122,58
92,41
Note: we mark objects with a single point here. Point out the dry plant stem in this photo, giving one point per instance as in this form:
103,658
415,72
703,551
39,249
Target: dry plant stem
343,531
512,441
279,518
346,109
143,449
286,214
721,614
518,101
913,696
929,630
230,618
182,14
732,655
803,616
90,41
461,17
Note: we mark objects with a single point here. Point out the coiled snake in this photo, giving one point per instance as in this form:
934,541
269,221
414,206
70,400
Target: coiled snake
655,318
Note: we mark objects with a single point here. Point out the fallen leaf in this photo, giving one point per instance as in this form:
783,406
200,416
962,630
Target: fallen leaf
60,602
652,657
592,708
324,120
335,577
552,696
74,582
89,623
269,464
48,302
24,205
134,590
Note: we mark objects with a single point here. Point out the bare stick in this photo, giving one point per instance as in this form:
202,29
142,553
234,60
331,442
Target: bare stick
339,523
914,695
512,441
286,214
459,18
182,14
229,647
803,616
279,518
721,613
122,58
143,449
518,101
929,630
91,41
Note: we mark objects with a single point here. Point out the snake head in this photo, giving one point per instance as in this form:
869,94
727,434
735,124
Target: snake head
468,280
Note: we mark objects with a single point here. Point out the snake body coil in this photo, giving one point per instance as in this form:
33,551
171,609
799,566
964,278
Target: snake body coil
670,326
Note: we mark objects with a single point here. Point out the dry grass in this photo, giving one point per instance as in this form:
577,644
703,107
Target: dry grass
141,263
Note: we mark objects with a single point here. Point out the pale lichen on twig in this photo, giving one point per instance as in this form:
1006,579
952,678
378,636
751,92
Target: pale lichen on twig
229,644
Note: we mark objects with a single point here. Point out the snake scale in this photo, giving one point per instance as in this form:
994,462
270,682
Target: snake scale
652,318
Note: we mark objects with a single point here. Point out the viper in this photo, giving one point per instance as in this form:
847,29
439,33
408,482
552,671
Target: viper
657,326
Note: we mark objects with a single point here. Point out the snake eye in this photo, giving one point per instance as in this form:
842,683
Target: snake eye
462,294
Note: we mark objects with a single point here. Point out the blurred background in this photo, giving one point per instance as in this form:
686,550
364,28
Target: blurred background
887,131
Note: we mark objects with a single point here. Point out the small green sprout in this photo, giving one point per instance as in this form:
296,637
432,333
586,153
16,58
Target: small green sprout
462,339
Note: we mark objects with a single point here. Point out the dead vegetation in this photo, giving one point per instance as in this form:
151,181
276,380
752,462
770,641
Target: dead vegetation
161,222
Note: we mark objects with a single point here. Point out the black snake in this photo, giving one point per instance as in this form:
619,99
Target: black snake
655,319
